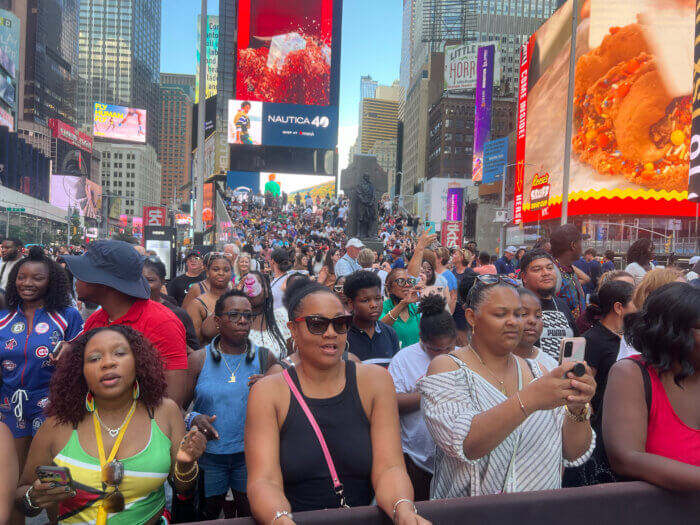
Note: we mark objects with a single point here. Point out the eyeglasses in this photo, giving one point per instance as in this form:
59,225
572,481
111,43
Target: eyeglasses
338,288
490,280
234,316
405,281
318,325
113,475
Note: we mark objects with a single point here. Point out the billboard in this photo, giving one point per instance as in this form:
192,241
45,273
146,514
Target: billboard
137,227
292,183
6,120
9,58
495,160
694,181
119,123
632,98
72,192
212,47
451,233
62,131
461,65
455,204
238,180
268,124
482,108
285,51
208,207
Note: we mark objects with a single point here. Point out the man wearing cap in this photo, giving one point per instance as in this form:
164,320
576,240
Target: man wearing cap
504,264
348,264
110,274
396,254
178,287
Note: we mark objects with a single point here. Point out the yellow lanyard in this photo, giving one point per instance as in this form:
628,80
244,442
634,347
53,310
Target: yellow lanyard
120,436
101,512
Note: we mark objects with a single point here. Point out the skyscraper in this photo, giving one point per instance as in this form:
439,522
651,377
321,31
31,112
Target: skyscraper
119,59
368,87
51,61
175,140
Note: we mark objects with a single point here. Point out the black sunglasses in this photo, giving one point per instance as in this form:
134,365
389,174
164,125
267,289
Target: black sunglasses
490,280
405,281
318,325
235,316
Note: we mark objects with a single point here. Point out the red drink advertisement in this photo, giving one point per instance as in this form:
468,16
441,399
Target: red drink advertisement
284,51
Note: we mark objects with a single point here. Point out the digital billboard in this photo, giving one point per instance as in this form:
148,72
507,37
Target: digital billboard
291,184
482,108
72,192
495,160
631,130
9,57
212,50
268,124
285,51
120,123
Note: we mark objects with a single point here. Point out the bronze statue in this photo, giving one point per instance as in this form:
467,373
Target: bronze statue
367,209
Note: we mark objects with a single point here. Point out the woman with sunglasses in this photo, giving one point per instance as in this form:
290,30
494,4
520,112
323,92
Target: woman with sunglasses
400,310
433,283
200,310
355,408
496,428
219,380
339,290
112,428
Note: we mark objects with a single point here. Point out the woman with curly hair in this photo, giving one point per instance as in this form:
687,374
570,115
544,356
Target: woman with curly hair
111,426
651,415
39,315
639,257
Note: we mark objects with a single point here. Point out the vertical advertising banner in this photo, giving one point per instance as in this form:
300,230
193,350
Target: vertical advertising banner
212,46
482,108
495,160
208,207
631,137
137,227
9,54
694,174
521,130
451,234
154,216
455,204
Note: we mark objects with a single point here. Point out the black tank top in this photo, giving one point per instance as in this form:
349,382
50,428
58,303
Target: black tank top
344,424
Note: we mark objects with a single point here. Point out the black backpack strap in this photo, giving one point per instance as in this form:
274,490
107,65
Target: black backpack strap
646,379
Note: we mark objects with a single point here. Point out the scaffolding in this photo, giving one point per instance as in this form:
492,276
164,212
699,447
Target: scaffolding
448,20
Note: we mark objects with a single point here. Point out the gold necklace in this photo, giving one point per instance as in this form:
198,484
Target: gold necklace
233,372
502,388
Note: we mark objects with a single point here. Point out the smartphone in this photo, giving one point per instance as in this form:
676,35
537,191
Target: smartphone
430,227
57,348
54,474
572,350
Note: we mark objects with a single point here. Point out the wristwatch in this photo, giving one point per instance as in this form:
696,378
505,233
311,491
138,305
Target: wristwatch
583,416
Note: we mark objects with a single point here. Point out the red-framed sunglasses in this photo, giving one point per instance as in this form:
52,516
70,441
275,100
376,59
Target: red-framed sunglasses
318,325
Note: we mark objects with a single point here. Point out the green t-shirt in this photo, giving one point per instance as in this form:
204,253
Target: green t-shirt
408,331
272,186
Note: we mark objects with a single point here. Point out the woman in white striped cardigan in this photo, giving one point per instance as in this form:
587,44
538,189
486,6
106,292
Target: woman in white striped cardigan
500,424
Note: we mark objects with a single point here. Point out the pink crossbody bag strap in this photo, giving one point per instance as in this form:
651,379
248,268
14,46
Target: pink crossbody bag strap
337,485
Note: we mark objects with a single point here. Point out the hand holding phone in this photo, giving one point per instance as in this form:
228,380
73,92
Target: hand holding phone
54,484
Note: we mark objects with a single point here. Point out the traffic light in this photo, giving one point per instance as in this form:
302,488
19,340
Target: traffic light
74,230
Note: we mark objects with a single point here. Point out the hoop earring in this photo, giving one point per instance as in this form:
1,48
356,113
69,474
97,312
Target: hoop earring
347,345
136,390
295,347
89,402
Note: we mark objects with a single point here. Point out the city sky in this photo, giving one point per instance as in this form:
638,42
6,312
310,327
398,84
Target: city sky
371,45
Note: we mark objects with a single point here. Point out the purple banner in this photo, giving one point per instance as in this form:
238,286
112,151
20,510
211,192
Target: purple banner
455,198
482,108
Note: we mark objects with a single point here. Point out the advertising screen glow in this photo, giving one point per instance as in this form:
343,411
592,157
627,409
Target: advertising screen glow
71,192
631,104
120,123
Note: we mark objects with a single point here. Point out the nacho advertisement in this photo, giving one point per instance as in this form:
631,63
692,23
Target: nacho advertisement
632,101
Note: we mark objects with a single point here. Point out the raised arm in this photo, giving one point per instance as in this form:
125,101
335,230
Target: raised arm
414,265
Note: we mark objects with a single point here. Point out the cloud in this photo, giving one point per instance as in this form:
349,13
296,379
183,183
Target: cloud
346,138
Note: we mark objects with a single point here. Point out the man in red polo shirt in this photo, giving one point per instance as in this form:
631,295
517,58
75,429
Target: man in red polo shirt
109,274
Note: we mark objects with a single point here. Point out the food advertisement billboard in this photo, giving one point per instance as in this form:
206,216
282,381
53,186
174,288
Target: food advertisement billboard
632,97
461,65
71,192
120,123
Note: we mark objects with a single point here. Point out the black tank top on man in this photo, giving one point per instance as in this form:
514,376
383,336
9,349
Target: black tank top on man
344,424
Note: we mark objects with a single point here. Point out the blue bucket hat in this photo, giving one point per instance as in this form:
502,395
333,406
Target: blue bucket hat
112,263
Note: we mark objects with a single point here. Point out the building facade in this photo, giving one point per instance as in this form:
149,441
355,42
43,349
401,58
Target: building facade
175,140
132,172
119,59
178,79
378,121
226,77
385,151
51,61
368,87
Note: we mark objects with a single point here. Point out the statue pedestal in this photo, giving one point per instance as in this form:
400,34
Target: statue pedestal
376,245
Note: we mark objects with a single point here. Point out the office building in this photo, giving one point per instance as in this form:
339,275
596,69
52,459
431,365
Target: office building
226,77
132,172
385,151
175,139
119,59
177,79
50,69
378,116
368,87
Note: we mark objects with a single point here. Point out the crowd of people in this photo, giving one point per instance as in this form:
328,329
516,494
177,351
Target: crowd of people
295,369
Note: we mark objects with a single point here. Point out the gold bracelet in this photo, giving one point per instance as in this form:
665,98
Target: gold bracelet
522,405
190,480
394,318
178,471
579,418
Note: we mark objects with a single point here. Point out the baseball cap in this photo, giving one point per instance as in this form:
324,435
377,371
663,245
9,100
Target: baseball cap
193,254
355,242
396,251
511,249
115,264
